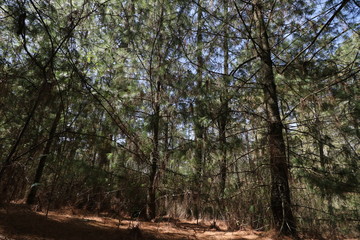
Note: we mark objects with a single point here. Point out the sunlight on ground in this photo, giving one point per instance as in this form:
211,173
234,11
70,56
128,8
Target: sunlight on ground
19,222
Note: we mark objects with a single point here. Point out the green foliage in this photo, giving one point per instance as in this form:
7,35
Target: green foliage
134,82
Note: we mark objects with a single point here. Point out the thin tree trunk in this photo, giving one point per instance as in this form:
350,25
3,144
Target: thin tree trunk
39,171
223,118
151,201
223,167
199,128
156,91
9,159
280,193
320,143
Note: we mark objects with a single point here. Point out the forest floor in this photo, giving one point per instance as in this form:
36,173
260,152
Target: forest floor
19,222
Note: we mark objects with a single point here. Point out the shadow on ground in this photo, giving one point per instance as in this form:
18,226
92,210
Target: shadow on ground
19,222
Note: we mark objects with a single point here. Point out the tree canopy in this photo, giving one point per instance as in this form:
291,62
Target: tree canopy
247,111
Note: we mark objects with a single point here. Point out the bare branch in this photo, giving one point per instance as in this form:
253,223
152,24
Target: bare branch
343,3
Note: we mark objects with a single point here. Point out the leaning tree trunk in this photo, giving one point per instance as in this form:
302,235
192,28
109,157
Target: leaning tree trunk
280,192
9,159
39,171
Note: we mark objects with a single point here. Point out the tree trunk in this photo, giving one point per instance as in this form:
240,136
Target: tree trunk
280,192
199,108
223,167
199,128
320,142
39,171
151,201
9,159
223,116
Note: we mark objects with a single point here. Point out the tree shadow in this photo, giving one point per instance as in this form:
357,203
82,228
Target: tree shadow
19,222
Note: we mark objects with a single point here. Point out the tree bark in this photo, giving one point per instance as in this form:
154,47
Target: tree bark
224,111
39,171
151,201
199,128
280,193
9,159
199,108
320,142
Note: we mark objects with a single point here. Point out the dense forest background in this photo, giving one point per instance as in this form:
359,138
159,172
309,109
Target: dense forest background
246,111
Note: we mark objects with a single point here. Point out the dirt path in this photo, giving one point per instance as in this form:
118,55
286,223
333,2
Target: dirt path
20,223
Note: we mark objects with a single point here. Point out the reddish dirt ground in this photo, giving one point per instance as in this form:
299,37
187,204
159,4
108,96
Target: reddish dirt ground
19,222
